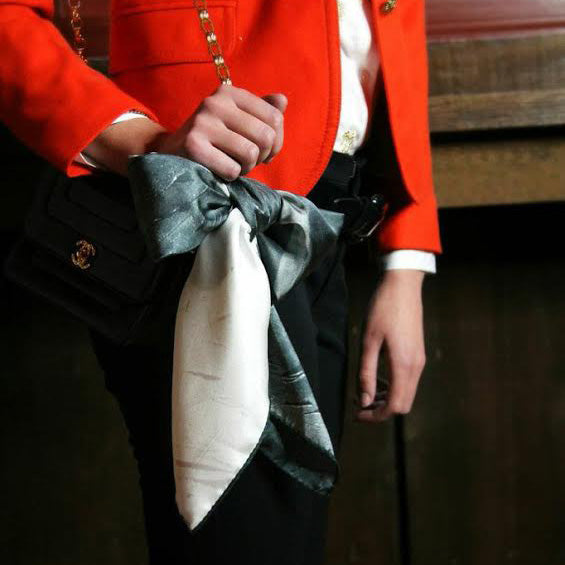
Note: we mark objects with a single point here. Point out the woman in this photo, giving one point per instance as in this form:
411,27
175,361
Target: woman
322,63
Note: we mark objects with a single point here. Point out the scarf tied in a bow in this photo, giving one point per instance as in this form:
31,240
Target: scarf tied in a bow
238,384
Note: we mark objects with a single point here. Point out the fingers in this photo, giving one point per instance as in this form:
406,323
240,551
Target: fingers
280,102
369,392
268,112
199,149
246,128
265,110
368,371
239,148
251,132
405,374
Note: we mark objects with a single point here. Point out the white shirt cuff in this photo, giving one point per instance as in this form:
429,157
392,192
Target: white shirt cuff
85,159
132,115
409,259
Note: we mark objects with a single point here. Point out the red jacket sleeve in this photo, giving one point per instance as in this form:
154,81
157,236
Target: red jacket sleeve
410,225
49,98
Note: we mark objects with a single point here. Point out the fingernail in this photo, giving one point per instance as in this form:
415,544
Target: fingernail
365,399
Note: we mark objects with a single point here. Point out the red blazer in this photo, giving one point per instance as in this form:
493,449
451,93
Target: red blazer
159,64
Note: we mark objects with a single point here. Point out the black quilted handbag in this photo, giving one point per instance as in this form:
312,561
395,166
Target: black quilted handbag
82,250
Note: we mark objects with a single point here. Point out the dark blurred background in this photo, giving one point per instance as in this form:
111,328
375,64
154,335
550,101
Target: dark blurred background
474,475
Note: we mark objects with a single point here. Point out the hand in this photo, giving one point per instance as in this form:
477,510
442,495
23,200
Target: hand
394,323
231,132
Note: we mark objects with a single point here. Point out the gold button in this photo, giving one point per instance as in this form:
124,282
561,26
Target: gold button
388,6
347,139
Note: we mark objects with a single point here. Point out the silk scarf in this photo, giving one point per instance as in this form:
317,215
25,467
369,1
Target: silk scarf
238,384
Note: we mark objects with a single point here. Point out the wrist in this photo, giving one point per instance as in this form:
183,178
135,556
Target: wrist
406,277
117,142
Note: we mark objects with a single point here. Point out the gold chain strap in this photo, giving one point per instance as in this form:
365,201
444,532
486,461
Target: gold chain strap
213,46
76,25
206,25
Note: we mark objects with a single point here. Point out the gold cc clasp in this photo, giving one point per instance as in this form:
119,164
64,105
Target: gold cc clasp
388,6
85,250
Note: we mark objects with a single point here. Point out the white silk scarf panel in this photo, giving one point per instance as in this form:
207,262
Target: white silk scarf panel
220,396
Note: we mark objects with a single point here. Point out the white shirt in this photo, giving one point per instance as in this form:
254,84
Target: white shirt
359,66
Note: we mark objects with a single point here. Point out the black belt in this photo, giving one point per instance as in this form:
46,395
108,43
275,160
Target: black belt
339,190
342,170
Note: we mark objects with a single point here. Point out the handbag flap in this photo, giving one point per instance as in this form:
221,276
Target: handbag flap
97,209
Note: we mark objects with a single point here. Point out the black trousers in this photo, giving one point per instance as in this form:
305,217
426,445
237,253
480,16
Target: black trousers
266,518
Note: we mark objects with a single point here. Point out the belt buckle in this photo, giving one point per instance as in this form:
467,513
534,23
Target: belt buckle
363,215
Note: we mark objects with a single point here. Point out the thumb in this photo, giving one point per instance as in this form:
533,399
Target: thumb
278,100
